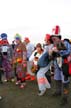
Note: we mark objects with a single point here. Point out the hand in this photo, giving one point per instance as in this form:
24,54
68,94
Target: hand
55,49
50,52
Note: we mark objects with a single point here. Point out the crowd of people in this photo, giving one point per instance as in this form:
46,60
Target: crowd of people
21,61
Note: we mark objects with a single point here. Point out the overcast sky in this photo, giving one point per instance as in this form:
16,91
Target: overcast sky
34,18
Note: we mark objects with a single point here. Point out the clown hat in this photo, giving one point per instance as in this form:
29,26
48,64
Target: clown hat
3,36
26,38
47,37
17,36
56,31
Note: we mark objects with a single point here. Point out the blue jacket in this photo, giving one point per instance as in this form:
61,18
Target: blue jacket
43,60
67,51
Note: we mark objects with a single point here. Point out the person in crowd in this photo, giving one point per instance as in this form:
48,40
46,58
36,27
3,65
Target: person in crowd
30,48
13,45
48,43
44,65
61,79
1,70
20,61
35,57
6,57
47,47
1,67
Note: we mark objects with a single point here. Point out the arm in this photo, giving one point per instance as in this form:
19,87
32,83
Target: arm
32,56
67,51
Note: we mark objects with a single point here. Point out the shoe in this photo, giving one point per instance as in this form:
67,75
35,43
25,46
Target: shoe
22,85
32,78
17,83
41,93
13,80
48,86
28,77
5,80
0,98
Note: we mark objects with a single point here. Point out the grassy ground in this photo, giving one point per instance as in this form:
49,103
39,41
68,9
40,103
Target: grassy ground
14,97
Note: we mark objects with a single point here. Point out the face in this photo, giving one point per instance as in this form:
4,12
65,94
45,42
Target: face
17,41
26,41
55,39
38,49
47,41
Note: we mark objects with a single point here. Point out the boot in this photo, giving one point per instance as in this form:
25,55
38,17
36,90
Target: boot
42,92
65,93
58,88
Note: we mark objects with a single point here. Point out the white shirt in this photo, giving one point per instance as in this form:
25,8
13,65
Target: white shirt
30,49
32,57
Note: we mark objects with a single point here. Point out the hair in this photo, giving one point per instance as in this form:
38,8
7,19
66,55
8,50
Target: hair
59,36
66,40
39,45
51,41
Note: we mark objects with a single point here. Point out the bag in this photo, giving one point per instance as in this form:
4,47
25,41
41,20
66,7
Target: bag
66,67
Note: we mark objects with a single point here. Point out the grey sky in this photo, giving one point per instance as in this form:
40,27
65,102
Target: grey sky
35,18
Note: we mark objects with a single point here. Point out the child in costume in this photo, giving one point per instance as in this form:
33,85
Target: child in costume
20,61
30,48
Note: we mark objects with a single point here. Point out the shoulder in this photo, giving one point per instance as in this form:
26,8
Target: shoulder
30,45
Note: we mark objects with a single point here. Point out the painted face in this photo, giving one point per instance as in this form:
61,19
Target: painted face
55,39
17,41
26,41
